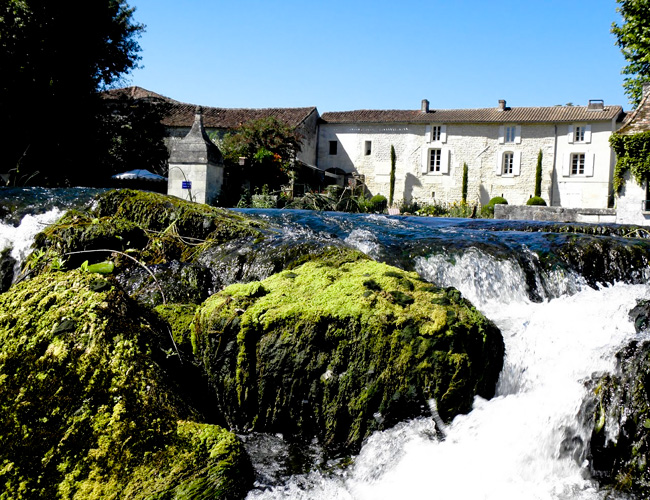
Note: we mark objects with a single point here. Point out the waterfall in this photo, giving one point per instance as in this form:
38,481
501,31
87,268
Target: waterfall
529,441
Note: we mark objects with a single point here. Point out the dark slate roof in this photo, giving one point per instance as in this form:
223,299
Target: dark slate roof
552,114
196,146
182,114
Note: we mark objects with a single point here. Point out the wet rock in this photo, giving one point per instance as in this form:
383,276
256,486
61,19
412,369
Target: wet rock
620,446
324,348
90,405
7,264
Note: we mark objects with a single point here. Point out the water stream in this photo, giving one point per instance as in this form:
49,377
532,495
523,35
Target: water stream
560,328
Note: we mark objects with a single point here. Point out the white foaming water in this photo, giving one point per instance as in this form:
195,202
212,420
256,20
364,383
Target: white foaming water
20,238
527,442
365,241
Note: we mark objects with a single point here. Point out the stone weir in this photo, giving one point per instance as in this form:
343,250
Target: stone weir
108,388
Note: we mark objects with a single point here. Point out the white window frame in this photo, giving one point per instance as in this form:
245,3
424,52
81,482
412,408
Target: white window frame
435,160
442,167
578,164
508,169
507,161
587,166
436,133
579,133
510,134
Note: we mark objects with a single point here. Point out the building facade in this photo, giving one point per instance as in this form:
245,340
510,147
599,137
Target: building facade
499,145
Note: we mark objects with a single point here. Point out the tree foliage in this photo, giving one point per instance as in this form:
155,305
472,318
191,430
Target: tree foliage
269,147
393,162
633,37
538,174
465,183
633,155
131,135
54,57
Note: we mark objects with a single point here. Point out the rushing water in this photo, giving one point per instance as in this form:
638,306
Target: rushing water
528,442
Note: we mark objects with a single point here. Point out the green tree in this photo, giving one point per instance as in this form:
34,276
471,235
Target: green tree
633,37
269,147
131,135
465,182
55,56
393,162
538,175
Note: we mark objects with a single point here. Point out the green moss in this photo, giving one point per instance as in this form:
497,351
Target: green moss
179,317
151,227
320,349
86,407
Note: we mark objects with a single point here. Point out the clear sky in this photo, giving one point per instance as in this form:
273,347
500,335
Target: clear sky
341,55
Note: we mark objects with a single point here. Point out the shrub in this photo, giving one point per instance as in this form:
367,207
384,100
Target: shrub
536,201
377,203
488,210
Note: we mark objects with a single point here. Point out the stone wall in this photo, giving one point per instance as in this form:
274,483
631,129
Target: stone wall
555,214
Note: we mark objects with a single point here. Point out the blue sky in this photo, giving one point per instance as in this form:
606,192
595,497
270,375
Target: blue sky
342,55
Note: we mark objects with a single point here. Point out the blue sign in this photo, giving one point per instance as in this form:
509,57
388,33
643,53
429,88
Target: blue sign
187,185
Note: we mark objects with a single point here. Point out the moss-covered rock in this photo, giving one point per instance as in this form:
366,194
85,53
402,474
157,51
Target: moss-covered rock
341,346
620,442
88,406
165,249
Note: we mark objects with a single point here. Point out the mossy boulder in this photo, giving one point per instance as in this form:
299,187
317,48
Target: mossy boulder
620,442
89,407
341,346
165,249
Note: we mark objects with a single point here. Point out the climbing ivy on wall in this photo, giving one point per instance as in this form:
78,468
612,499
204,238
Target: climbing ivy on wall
633,155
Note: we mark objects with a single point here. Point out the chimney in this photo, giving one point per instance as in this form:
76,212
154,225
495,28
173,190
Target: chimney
425,106
502,104
596,105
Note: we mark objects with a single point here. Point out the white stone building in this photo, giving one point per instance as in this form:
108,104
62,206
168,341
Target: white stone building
500,146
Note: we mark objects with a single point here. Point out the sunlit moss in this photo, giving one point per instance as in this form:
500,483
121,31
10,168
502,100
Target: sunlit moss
341,346
86,408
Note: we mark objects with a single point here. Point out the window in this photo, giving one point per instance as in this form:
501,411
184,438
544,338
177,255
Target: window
577,164
368,148
510,134
334,146
508,163
436,131
580,133
435,160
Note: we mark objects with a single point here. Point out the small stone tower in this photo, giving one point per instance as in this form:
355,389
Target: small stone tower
195,166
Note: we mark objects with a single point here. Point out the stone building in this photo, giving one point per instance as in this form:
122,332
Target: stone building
195,166
500,146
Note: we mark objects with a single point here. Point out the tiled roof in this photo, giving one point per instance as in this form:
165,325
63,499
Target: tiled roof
551,114
133,93
639,120
182,114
